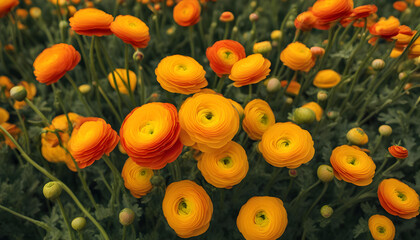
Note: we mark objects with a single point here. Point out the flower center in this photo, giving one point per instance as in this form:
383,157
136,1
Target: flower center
261,219
401,195
148,128
142,172
352,160
225,162
283,143
381,229
184,208
181,67
264,119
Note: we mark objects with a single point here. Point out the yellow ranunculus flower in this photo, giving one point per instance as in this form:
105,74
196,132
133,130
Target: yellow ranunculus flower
225,167
297,56
122,80
136,178
326,79
381,227
287,145
258,118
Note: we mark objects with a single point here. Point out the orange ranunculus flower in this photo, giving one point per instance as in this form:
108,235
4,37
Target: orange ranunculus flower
414,51
223,54
326,79
226,17
120,75
91,140
398,152
287,145
364,11
208,121
316,108
91,22
226,167
352,165
262,218
398,199
54,62
293,88
6,6
31,92
404,36
187,208
297,57
13,130
400,6
4,115
381,228
305,21
396,52
385,28
250,70
187,12
258,118
131,30
150,135
137,178
181,74
331,10
5,86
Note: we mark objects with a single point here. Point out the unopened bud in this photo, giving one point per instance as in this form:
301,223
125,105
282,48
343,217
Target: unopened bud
52,190
273,85
18,93
157,181
402,75
293,173
290,24
78,223
325,173
357,136
35,12
126,217
326,211
317,51
253,17
262,47
276,35
303,115
170,31
253,4
138,56
322,95
85,88
63,24
289,100
385,130
226,17
378,64
332,115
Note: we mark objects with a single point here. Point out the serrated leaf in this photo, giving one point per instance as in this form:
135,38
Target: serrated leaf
360,228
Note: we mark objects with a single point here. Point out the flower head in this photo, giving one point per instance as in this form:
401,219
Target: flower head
398,152
305,21
352,165
398,199
326,79
6,6
181,74
122,81
287,145
54,62
223,54
297,57
91,22
150,135
381,227
250,70
131,30
331,10
258,118
316,108
262,218
187,208
136,178
385,28
187,12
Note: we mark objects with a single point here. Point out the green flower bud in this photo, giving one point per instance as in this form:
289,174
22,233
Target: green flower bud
325,173
385,130
378,64
273,85
52,190
303,115
322,95
293,173
289,100
63,24
138,56
126,216
157,181
78,223
357,136
18,93
326,211
332,115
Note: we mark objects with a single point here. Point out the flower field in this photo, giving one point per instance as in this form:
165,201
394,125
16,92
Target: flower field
209,119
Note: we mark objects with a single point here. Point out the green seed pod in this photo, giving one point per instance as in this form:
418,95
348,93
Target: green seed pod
325,173
18,93
326,211
126,217
303,115
78,223
52,190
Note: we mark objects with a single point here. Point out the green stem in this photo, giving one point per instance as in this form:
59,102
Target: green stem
36,222
191,37
45,121
227,27
25,131
378,143
65,218
221,83
53,178
324,189
124,232
111,106
88,110
303,192
273,179
60,102
80,234
127,84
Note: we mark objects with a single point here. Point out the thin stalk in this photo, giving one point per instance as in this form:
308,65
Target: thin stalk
191,37
273,179
36,222
45,121
124,232
63,185
65,218
60,102
25,131
128,85
88,110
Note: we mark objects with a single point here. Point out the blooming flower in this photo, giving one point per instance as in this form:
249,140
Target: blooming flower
258,118
136,178
91,22
131,30
250,70
381,227
122,81
398,152
297,57
223,54
326,79
187,13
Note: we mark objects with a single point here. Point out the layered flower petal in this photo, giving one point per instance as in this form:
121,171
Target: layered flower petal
52,63
297,57
262,218
326,79
187,208
258,118
91,22
150,135
187,13
352,165
385,28
331,10
137,178
131,30
381,227
225,167
223,54
398,199
250,70
287,145
6,6
181,74
398,152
